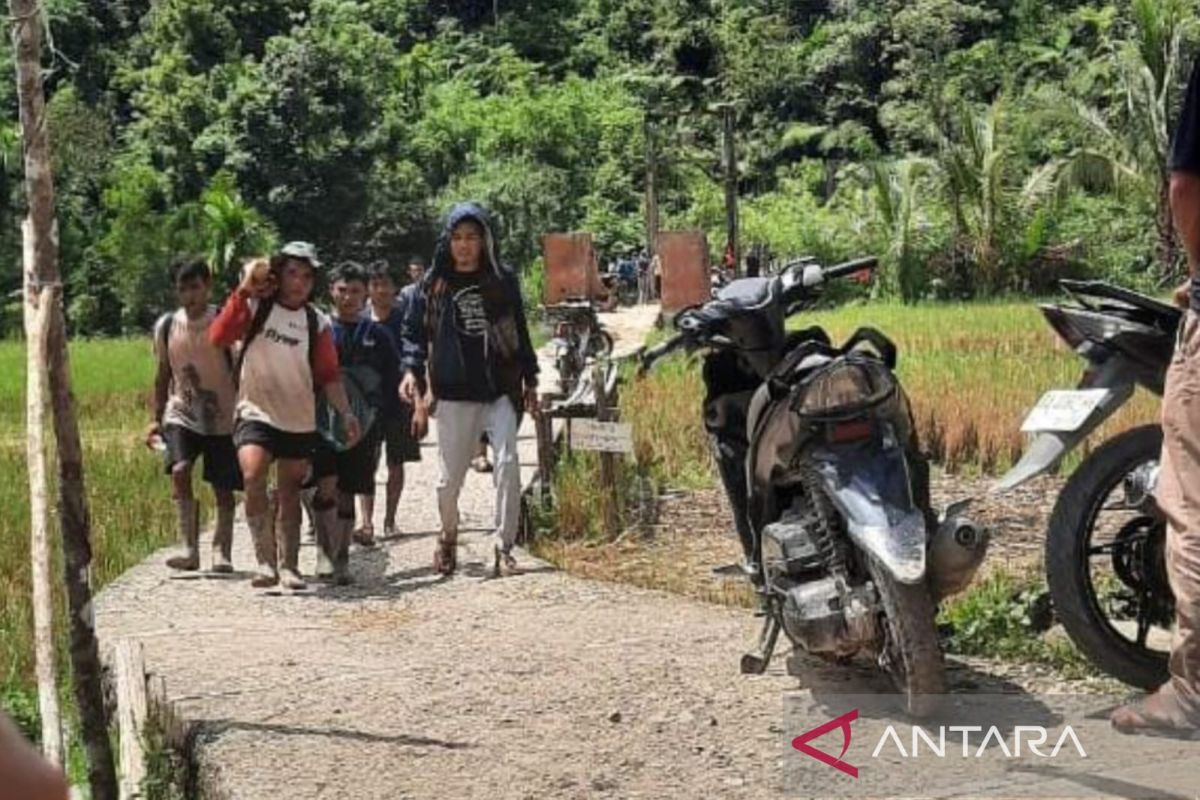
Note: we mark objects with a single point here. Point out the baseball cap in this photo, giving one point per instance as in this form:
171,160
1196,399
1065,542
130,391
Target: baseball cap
304,251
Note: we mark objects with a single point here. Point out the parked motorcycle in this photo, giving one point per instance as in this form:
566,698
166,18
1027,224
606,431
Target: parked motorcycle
578,337
816,449
1106,544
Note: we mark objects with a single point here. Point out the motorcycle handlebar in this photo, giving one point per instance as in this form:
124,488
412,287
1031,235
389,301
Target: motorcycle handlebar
851,267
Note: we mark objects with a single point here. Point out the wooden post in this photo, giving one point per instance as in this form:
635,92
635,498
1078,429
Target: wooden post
731,188
37,319
130,667
605,412
544,427
27,21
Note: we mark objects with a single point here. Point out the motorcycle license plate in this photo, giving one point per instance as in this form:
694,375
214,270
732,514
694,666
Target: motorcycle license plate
1063,411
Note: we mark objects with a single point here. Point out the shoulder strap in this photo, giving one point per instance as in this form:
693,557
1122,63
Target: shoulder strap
164,335
256,325
313,329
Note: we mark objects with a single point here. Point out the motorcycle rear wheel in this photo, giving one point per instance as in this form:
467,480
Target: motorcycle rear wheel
1073,588
911,653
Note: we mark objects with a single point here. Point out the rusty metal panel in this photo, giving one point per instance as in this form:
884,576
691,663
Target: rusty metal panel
685,278
571,270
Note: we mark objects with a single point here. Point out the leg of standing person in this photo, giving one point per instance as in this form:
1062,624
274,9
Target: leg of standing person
289,476
501,426
459,427
222,473
187,513
255,461
1176,705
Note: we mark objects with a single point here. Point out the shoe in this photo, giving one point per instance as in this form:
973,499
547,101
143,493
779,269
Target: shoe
481,464
188,513
1159,714
505,565
364,537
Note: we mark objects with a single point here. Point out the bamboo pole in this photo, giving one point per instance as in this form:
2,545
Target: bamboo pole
27,21
37,321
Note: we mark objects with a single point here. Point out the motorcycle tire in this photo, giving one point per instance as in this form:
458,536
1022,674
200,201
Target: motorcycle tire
910,627
1067,565
600,345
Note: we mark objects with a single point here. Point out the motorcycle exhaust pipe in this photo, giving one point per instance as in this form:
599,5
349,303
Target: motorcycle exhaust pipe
955,553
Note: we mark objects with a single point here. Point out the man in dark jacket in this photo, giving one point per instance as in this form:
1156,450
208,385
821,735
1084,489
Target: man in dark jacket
468,325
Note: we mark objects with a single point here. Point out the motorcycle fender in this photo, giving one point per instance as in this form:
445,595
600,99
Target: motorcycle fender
1048,448
880,515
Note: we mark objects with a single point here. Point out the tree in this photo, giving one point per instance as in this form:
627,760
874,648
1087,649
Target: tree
43,282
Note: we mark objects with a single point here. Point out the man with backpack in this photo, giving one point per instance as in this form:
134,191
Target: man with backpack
194,396
469,325
287,355
369,365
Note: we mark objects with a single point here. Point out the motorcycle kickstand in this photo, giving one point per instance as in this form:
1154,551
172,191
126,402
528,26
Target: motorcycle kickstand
755,663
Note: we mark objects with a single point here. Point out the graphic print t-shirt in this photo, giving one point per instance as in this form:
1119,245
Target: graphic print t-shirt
202,387
471,329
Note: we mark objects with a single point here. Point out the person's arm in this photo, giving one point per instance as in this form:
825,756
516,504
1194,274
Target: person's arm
1184,163
327,379
525,351
232,324
414,346
24,774
162,382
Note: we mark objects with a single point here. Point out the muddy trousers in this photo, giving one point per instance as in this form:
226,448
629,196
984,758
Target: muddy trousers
459,426
1179,497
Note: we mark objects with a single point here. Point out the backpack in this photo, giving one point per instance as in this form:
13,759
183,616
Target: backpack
363,385
259,322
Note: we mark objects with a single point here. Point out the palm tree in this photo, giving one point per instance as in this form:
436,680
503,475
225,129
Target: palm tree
897,189
1127,150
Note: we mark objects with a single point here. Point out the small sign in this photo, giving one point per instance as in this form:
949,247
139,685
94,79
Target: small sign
604,437
1063,411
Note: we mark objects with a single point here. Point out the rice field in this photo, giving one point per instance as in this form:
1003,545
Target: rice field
972,372
131,512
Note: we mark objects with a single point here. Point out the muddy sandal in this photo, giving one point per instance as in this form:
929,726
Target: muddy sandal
445,557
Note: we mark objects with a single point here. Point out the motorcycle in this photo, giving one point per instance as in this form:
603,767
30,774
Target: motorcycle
1106,544
817,454
578,337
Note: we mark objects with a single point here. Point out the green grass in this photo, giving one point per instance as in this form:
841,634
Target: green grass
129,499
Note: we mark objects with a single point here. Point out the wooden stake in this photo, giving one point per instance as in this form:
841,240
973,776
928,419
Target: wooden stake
43,278
130,668
608,461
37,321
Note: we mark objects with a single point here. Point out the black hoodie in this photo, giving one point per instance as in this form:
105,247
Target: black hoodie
470,329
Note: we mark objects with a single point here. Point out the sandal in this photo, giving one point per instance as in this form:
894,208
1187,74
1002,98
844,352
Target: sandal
364,536
1159,714
506,565
445,557
481,464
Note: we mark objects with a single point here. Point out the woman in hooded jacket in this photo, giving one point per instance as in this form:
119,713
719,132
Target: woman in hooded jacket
468,326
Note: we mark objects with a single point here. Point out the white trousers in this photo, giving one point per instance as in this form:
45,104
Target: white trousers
459,428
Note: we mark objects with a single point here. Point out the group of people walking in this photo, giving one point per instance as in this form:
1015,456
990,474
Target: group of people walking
271,383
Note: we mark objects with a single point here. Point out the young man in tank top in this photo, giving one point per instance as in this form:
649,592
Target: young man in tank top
194,395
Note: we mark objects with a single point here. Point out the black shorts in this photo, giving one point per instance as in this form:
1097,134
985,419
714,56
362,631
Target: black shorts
280,444
397,438
354,468
221,468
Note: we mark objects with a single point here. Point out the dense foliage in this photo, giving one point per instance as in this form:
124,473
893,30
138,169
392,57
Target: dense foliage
983,146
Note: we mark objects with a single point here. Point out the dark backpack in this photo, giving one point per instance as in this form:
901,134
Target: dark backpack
259,322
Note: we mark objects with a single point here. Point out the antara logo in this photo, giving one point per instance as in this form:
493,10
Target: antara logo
924,744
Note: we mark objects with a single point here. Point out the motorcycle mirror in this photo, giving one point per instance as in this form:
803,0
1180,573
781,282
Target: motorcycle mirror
813,276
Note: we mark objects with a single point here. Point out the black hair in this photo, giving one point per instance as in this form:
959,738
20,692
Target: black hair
417,261
382,269
348,272
189,269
